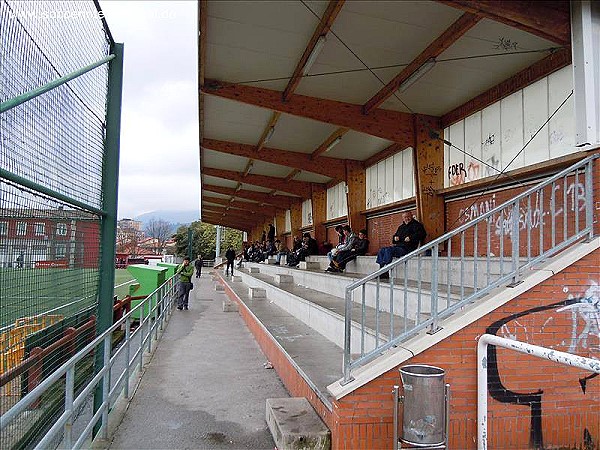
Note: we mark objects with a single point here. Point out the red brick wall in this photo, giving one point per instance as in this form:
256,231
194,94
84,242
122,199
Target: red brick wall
363,419
381,229
539,216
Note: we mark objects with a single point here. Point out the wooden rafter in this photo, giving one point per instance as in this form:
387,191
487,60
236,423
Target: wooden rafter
327,20
548,20
290,176
257,215
279,201
392,125
229,223
272,122
301,188
536,71
385,153
439,45
327,142
330,167
241,204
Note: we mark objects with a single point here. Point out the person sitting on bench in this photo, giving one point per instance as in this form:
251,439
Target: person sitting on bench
359,248
408,237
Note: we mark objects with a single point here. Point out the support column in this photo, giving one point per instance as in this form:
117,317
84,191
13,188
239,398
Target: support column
356,195
428,154
319,211
296,218
585,45
280,224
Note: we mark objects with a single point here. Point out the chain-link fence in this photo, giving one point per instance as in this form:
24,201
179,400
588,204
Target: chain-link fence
52,157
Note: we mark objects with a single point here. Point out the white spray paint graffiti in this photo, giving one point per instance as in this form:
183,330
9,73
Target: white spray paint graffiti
588,309
528,217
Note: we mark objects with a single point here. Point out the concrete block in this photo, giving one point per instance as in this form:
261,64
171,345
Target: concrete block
281,278
219,288
295,425
310,265
236,278
256,292
230,306
271,260
254,270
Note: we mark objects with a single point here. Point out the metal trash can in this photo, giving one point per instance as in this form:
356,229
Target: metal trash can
424,411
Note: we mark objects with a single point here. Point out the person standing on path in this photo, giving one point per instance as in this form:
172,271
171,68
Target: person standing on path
186,272
230,257
198,265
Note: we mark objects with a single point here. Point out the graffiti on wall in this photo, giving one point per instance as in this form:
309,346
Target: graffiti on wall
528,217
524,326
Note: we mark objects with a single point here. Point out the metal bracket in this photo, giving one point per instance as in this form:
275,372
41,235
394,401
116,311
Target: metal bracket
514,284
348,381
433,331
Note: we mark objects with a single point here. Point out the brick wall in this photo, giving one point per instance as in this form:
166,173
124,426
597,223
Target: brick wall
381,229
561,313
537,216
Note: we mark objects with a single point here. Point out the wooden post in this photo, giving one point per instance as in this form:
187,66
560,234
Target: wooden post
319,211
429,174
356,196
296,218
280,225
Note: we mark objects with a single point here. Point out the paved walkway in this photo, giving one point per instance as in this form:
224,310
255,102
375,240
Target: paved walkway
205,387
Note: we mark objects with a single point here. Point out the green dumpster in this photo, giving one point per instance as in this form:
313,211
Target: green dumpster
149,278
171,268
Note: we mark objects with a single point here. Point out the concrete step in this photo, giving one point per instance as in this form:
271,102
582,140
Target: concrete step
324,312
334,284
295,425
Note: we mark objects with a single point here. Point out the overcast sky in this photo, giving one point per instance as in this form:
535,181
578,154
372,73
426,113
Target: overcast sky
159,166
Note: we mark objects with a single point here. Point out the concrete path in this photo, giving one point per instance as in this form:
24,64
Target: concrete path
206,387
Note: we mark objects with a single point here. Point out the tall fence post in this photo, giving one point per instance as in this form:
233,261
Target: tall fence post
110,177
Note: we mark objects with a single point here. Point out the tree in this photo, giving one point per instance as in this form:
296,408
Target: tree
160,230
204,240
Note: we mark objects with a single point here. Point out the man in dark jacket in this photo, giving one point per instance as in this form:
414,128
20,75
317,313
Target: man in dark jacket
230,257
408,237
359,248
198,266
309,247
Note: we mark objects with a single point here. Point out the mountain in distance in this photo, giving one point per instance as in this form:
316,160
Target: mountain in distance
174,217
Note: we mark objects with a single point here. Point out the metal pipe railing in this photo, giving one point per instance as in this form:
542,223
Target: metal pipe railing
568,359
462,281
148,327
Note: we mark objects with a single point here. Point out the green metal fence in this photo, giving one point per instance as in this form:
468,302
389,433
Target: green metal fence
60,91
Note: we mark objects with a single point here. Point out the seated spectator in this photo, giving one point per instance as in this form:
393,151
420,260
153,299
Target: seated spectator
408,237
339,229
282,250
309,247
360,247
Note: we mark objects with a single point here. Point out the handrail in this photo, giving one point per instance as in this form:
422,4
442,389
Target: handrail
162,299
481,218
459,292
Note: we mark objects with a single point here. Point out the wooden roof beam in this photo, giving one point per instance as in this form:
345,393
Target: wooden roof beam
333,137
551,63
329,16
257,216
279,201
391,125
290,176
301,188
241,204
236,225
330,167
439,45
550,20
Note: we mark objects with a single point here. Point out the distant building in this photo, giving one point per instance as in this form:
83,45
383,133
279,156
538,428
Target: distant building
49,238
129,224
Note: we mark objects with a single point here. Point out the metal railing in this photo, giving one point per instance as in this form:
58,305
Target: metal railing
114,376
442,276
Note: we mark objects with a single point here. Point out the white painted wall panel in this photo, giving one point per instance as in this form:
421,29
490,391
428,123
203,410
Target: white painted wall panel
331,203
307,213
342,200
397,162
456,170
370,187
408,177
511,119
473,162
389,180
490,135
380,183
288,221
535,113
562,125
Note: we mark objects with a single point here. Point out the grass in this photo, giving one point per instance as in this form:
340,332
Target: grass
29,292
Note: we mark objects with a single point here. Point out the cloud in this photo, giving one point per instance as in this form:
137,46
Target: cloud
159,163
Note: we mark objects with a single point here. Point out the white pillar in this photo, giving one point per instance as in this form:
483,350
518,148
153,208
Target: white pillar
218,249
585,46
